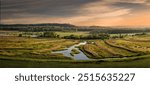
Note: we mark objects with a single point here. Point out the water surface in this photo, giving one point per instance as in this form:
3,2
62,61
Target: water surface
80,56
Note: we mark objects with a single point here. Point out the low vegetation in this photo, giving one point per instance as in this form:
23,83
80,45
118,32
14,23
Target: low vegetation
74,51
38,48
34,48
36,63
117,48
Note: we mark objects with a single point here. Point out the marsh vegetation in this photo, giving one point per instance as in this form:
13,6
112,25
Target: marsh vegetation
54,48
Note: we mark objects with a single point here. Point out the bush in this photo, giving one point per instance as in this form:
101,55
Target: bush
50,34
72,37
91,36
20,35
98,36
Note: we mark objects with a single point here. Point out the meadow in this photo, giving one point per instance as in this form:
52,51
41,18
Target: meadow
62,34
124,47
34,48
26,51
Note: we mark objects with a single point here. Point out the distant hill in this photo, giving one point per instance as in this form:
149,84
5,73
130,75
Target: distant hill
38,27
70,27
44,24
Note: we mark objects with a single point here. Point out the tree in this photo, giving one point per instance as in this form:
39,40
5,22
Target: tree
20,35
50,34
98,36
72,37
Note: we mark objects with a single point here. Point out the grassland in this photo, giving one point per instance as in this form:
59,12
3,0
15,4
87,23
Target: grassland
131,63
62,34
134,44
124,47
131,51
74,51
33,47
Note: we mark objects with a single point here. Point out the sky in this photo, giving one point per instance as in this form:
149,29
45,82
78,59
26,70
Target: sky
77,12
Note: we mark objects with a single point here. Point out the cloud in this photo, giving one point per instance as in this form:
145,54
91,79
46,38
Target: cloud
59,8
79,12
130,1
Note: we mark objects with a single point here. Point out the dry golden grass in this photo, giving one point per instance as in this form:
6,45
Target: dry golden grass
23,46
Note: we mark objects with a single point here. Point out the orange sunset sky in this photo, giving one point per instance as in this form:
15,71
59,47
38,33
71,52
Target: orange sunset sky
77,12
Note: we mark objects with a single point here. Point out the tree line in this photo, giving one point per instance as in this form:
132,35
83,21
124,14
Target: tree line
69,27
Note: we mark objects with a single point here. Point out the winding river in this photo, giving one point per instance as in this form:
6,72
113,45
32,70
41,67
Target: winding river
80,56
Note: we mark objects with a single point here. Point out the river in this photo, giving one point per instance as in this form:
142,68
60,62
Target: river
80,56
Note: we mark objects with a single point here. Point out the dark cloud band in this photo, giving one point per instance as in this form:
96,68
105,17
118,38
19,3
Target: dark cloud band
17,9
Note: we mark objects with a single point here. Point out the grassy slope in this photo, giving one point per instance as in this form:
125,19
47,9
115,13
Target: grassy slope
137,63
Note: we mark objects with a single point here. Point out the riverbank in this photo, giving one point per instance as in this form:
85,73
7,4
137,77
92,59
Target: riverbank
36,48
117,48
68,52
136,63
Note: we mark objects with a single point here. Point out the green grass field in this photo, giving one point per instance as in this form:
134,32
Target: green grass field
131,51
127,47
137,63
62,34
